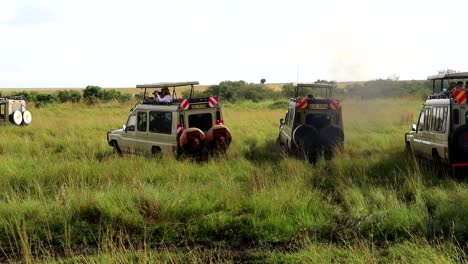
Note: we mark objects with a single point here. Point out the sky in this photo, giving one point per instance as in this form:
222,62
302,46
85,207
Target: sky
121,43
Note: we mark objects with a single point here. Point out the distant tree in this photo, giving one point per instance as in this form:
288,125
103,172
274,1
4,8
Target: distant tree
393,77
92,91
447,71
263,81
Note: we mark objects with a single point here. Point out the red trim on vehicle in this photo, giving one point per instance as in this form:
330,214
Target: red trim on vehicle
460,165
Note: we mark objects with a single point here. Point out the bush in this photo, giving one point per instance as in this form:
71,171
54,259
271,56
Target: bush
92,91
124,97
45,99
68,96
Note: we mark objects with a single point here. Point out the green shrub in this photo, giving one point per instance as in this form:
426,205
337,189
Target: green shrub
92,91
68,96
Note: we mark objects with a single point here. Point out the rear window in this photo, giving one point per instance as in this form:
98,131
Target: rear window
201,121
318,120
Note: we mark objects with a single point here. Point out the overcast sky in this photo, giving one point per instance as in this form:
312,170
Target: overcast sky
60,43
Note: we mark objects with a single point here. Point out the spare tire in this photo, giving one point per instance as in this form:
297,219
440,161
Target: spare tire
305,138
460,144
27,117
331,136
192,140
16,118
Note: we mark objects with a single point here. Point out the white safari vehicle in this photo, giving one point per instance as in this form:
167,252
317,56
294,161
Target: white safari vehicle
441,134
184,127
13,111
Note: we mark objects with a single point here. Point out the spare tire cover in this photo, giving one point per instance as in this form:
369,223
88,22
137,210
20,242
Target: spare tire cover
305,137
460,142
17,118
331,136
27,117
185,143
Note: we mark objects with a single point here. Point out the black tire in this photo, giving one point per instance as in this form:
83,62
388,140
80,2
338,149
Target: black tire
116,147
305,139
459,144
331,137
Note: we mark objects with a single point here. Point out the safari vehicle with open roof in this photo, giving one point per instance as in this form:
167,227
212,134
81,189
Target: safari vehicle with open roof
441,134
185,127
313,124
13,111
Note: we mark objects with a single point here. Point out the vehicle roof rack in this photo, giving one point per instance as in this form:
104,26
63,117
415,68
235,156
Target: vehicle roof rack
166,84
320,85
173,85
457,75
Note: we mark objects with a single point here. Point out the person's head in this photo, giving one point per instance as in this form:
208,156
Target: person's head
459,85
310,96
452,85
165,90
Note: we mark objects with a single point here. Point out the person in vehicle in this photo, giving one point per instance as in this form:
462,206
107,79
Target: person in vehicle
164,96
459,86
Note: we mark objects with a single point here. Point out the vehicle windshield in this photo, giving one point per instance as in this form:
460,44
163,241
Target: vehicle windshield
202,121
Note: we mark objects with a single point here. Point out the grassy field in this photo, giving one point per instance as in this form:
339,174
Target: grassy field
65,197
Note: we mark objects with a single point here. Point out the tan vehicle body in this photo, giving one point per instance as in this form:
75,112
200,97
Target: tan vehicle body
194,128
13,111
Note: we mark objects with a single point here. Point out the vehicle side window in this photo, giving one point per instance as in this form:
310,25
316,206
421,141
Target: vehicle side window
160,122
428,118
445,120
131,123
435,119
142,121
456,116
421,122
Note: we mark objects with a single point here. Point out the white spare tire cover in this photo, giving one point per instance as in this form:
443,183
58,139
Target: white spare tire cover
17,118
27,117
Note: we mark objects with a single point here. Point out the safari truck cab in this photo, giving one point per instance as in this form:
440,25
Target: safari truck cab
184,127
441,134
13,111
313,124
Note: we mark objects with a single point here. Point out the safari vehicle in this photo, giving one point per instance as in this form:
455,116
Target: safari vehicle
312,125
185,127
13,111
441,134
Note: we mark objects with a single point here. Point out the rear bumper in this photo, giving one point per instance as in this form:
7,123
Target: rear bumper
458,165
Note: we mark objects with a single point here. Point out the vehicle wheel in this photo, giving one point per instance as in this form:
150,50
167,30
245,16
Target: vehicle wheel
16,118
459,143
305,139
155,151
408,150
116,148
27,117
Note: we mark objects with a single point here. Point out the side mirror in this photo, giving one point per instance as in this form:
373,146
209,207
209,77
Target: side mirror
281,121
413,127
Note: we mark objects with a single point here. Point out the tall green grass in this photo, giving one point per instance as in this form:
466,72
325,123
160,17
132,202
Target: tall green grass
65,196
